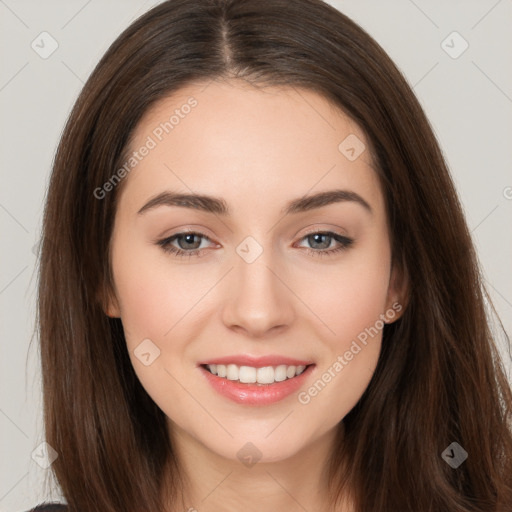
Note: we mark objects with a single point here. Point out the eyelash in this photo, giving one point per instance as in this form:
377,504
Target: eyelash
166,246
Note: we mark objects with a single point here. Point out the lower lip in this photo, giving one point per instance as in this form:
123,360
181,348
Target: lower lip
256,394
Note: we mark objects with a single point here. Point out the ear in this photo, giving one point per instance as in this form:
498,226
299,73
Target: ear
398,295
109,303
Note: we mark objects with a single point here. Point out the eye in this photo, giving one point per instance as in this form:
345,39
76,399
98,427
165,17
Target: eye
189,245
186,241
323,240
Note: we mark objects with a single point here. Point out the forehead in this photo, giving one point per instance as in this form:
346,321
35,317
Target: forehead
255,146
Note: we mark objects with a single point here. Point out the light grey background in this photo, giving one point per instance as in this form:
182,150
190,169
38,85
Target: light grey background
467,99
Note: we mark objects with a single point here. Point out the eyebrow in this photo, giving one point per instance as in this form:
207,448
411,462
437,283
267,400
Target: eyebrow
219,206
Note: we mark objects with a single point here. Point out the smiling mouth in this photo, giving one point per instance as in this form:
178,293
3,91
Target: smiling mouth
266,375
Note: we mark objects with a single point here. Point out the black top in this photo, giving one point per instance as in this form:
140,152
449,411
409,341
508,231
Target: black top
50,507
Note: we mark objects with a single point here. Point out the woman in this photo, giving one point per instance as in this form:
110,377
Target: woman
323,343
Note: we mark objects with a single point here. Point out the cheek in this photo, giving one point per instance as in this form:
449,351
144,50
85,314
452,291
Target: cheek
153,297
349,297
349,357
142,301
154,302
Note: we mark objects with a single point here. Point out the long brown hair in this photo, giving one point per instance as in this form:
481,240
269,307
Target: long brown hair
439,378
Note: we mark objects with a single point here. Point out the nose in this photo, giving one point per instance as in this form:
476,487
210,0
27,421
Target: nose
258,298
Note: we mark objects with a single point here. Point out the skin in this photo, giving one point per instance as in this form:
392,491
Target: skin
257,149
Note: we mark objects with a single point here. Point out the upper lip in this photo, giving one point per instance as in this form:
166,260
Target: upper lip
257,362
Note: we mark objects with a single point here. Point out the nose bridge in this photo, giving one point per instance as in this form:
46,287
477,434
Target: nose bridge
257,300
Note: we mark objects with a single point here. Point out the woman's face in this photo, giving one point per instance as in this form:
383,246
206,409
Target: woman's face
263,291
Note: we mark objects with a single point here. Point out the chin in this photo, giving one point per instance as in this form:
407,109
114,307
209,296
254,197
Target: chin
262,446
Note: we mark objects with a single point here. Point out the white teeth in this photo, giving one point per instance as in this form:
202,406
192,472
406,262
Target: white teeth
265,375
290,371
232,372
280,373
249,374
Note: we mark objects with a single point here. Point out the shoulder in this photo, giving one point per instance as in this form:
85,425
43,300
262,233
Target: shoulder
50,507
